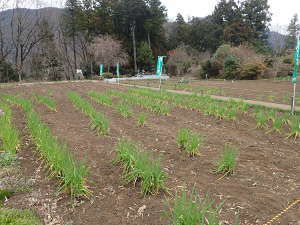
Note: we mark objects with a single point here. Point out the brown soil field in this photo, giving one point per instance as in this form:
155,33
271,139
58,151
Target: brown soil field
266,180
262,90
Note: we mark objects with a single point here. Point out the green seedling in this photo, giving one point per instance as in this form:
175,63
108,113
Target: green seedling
189,209
9,136
124,110
141,119
227,161
140,166
189,142
294,127
261,119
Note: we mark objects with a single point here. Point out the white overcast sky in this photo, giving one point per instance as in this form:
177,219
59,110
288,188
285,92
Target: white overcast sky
282,10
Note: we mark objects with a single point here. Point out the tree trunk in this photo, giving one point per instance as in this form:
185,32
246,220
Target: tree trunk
134,46
149,42
74,53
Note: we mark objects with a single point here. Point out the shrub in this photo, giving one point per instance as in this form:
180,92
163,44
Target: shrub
252,71
211,68
231,68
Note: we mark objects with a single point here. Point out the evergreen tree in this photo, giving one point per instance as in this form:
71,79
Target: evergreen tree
144,56
257,18
293,33
181,30
72,25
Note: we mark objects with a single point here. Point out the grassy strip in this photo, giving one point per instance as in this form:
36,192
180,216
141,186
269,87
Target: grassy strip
18,217
98,120
9,136
49,102
189,209
139,165
189,142
56,155
153,105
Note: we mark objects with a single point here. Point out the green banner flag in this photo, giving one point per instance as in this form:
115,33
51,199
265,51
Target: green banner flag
159,66
101,69
118,70
296,62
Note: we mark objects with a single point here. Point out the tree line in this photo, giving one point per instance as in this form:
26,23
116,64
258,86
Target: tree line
129,32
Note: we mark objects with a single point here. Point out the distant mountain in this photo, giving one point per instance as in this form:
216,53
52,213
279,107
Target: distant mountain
51,14
277,40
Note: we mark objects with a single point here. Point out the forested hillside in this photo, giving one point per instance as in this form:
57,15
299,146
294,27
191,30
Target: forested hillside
52,43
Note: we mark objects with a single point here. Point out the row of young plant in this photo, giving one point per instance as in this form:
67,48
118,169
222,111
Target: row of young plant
47,101
56,156
139,165
205,104
9,135
124,109
98,121
270,119
151,104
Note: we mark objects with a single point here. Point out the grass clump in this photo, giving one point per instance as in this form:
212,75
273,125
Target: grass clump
56,156
101,98
4,194
18,217
124,110
189,141
294,127
189,209
140,166
261,120
7,159
9,136
49,102
141,119
98,120
227,161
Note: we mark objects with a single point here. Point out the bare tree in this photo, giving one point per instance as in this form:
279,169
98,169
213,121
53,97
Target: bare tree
25,34
108,51
278,39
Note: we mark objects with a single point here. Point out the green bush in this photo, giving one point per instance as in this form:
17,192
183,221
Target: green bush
231,68
252,71
211,68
